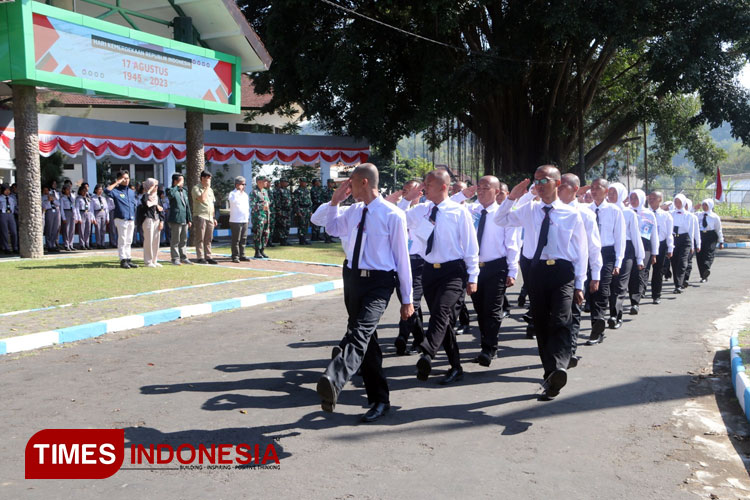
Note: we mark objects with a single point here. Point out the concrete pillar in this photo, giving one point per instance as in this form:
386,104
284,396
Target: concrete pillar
247,173
131,169
325,172
89,169
28,172
169,169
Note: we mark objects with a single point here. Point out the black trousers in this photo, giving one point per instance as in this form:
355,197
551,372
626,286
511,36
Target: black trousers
682,246
705,258
689,266
415,324
366,299
551,292
443,288
619,289
489,300
600,299
525,265
639,277
575,326
462,312
657,278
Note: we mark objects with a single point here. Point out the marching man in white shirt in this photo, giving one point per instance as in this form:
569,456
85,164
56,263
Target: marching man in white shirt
376,253
664,225
451,266
557,236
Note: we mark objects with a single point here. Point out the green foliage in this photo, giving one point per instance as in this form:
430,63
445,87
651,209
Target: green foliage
222,184
510,71
51,169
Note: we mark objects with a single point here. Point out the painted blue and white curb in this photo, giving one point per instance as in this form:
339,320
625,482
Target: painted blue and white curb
90,330
740,380
741,244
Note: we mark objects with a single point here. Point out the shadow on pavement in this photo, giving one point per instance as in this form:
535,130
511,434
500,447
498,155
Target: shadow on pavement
738,428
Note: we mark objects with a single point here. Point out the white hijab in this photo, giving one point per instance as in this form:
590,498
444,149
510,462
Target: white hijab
710,203
684,202
641,200
622,193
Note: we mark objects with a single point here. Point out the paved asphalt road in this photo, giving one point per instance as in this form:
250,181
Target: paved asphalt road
647,414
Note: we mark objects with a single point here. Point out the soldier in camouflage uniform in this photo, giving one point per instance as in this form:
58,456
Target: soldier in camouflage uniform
260,206
283,212
303,210
271,214
316,194
325,197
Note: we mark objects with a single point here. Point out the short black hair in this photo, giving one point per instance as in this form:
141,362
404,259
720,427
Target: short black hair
176,177
205,173
122,173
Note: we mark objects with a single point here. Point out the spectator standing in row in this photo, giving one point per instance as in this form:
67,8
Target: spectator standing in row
125,208
239,214
101,215
85,216
260,201
180,220
153,222
205,221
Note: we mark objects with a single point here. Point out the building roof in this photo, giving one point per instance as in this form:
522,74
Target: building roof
250,100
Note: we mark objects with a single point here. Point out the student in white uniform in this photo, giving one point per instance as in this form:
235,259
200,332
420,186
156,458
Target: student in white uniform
101,215
649,230
709,225
666,243
51,210
696,242
684,228
8,228
85,217
69,217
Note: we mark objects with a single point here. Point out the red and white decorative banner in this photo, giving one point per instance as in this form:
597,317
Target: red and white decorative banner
158,151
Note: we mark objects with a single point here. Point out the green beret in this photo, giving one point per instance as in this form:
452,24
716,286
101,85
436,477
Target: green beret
283,179
302,179
261,178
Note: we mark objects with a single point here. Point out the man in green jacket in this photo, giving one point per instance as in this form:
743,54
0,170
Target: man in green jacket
179,219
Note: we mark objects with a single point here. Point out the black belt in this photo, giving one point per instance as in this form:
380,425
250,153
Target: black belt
372,273
440,265
490,263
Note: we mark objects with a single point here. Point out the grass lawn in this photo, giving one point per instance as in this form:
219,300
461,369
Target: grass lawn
330,253
42,283
744,343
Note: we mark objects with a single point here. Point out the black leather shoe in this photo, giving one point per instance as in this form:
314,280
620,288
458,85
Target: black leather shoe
677,290
327,392
527,317
211,261
521,301
378,410
553,384
484,359
634,310
504,314
611,322
530,332
400,344
124,264
618,324
236,260
573,362
335,352
459,329
657,301
593,340
244,259
263,254
587,307
453,375
703,280
424,367
130,263
200,261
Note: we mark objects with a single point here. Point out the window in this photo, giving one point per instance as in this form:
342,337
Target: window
143,172
69,166
139,123
244,127
220,126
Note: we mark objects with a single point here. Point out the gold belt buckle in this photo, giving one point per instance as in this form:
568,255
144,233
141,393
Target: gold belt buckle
550,262
481,264
436,265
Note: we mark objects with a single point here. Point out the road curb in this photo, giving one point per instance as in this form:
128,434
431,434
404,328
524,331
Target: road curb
740,380
739,244
98,328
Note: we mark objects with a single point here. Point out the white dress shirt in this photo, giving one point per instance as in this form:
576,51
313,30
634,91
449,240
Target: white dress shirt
611,228
649,228
665,224
320,216
416,245
454,234
239,206
594,240
696,232
566,239
683,222
384,239
713,223
633,234
497,242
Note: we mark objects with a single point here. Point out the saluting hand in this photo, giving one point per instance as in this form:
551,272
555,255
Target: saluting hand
519,189
415,193
342,192
393,197
470,191
406,311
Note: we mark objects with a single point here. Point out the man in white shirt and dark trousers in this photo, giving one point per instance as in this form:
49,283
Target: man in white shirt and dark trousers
557,236
683,229
611,224
239,215
569,186
664,226
498,266
451,266
376,253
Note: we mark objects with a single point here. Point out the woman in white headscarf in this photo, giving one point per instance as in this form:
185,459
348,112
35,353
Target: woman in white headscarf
709,225
684,228
634,254
650,240
153,222
696,242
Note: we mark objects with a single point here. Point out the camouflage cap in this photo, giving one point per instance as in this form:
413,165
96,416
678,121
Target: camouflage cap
283,179
302,179
261,178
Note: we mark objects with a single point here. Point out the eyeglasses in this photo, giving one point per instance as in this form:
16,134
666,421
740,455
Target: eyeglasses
541,181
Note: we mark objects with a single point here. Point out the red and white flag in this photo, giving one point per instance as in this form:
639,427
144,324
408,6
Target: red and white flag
719,187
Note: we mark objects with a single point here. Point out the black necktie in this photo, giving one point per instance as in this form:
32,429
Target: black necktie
599,224
480,229
7,204
542,242
705,222
433,217
358,241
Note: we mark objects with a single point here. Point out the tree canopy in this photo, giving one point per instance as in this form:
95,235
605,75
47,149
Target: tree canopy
524,77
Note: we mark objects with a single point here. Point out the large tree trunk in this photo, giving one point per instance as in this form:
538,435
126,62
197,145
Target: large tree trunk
195,158
28,172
